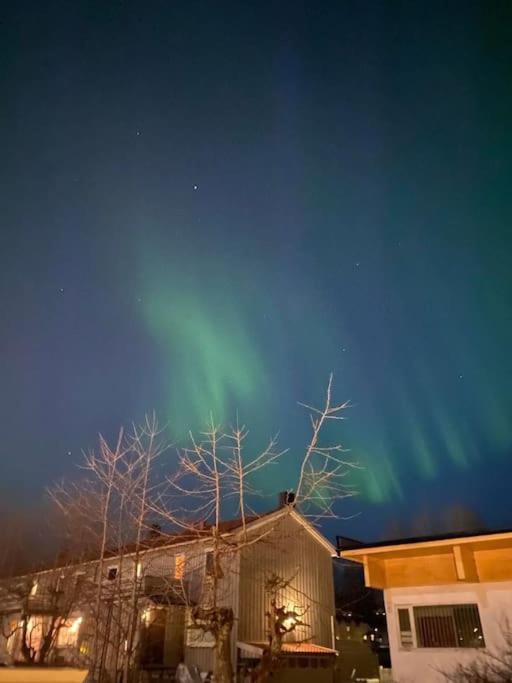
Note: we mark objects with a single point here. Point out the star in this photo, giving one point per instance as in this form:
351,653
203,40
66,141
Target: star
61,290
138,132
69,452
357,264
196,187
461,376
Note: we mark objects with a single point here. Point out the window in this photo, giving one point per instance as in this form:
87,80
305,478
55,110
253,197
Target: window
14,627
448,626
209,563
179,566
404,624
34,632
79,581
111,573
68,633
33,589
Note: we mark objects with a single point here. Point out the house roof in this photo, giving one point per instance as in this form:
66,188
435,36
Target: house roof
289,648
346,543
352,547
202,532
306,649
435,560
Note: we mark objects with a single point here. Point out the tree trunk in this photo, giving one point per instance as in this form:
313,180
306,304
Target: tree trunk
223,665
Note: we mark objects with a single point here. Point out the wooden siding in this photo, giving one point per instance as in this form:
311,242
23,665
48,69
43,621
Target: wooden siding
201,657
494,564
291,552
438,562
431,570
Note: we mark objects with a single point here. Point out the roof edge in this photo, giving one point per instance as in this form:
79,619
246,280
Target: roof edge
423,542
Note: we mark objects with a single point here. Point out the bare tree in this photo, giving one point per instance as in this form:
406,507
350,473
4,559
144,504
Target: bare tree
281,620
214,477
193,496
111,503
488,667
43,604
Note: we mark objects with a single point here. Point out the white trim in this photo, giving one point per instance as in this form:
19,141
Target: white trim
314,532
288,510
248,649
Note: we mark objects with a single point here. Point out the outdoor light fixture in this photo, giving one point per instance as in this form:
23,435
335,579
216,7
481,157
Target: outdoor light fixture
76,625
289,623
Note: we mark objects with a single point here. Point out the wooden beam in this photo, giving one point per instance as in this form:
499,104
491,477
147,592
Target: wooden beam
465,565
374,572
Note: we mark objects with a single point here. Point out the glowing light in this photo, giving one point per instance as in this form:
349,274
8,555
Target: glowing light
75,625
289,623
179,566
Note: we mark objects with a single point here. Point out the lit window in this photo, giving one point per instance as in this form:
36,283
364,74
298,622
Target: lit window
14,627
146,616
68,633
448,626
139,569
179,566
34,632
34,588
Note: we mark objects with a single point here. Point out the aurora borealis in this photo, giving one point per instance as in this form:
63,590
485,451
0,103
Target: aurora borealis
209,208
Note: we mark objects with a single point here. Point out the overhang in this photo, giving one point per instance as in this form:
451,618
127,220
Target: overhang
435,561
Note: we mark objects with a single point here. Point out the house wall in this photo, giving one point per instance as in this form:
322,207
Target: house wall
292,553
202,657
289,551
425,664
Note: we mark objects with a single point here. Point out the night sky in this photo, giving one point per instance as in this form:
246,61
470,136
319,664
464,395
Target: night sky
211,205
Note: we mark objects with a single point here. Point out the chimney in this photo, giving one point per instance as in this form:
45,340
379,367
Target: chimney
286,498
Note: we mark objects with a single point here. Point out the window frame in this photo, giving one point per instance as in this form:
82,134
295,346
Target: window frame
414,630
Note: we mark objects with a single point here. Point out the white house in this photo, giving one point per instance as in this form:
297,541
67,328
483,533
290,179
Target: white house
448,599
